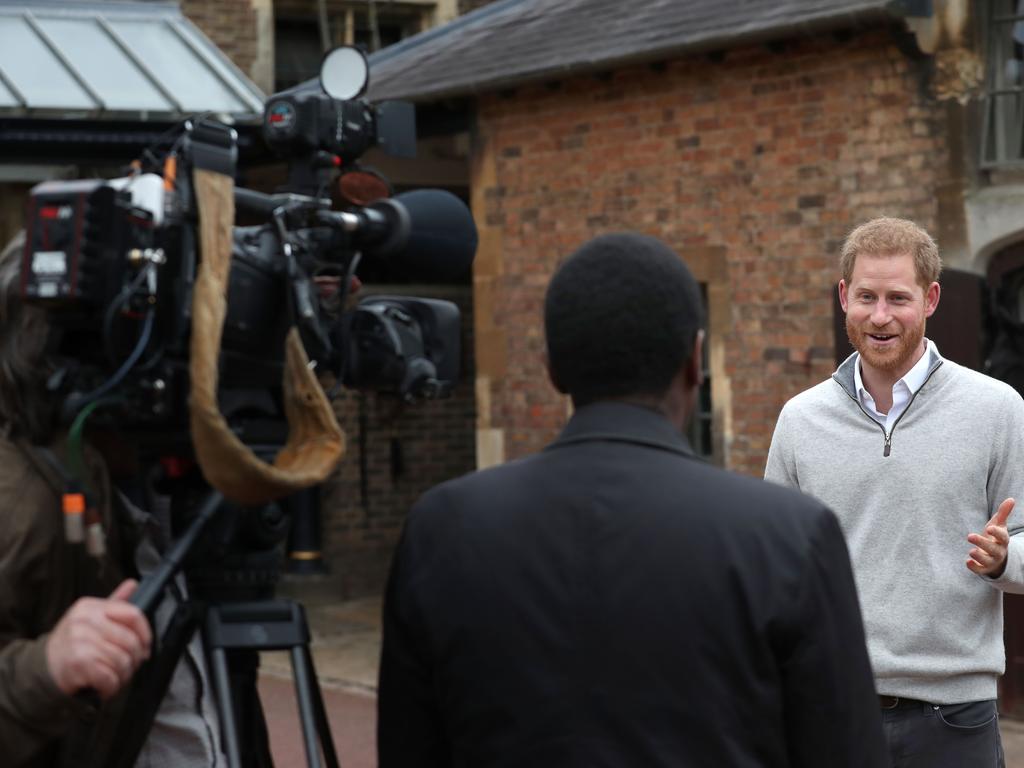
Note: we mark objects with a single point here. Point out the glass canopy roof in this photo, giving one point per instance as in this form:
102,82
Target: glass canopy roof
117,59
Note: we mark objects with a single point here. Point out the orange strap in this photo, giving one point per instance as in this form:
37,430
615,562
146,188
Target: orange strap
315,442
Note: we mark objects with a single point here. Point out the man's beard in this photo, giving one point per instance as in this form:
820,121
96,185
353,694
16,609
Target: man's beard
892,358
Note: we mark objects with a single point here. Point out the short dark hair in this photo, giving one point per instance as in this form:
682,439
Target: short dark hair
621,316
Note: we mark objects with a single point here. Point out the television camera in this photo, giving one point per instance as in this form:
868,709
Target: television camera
117,264
116,261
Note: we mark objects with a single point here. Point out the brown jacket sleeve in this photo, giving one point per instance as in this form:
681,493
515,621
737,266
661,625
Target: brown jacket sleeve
34,713
40,577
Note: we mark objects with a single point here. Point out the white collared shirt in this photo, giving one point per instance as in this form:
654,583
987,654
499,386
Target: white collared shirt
902,390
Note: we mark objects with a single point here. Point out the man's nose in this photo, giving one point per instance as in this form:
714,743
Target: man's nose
881,315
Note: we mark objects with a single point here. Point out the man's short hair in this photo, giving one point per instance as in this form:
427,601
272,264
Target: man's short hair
26,408
621,316
886,236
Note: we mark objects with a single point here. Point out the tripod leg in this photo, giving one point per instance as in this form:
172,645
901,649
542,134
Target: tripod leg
323,726
222,681
234,634
307,710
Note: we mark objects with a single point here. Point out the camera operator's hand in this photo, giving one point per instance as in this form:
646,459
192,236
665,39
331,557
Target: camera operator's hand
99,643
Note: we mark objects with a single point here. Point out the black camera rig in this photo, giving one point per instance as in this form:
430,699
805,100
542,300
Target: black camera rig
115,262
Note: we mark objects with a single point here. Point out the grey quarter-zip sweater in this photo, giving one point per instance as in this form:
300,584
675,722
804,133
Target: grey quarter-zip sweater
906,501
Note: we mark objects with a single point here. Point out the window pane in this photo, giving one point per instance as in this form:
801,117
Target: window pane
103,65
1004,104
7,98
1005,123
391,27
174,64
297,52
33,69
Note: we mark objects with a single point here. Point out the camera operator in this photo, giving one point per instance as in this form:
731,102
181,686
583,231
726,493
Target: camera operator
57,633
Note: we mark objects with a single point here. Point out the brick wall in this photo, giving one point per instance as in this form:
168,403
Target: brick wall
231,25
409,449
753,165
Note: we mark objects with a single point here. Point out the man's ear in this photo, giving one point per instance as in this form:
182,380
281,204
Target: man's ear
551,375
931,299
843,298
693,373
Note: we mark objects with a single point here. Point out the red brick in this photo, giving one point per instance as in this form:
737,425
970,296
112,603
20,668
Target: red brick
749,139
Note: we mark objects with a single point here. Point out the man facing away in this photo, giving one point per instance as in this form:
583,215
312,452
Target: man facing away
918,456
613,600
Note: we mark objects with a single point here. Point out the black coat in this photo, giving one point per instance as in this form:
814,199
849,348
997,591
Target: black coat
614,601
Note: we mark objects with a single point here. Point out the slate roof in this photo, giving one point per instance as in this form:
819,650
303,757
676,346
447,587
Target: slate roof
513,41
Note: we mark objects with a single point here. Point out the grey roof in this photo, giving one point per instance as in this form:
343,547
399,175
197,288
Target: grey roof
115,59
513,41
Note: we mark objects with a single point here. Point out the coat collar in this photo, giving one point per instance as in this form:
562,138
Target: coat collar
613,421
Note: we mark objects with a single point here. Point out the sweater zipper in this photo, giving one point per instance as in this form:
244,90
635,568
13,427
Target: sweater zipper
888,435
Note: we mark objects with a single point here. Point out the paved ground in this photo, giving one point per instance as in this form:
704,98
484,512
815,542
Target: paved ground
1013,743
352,716
346,645
346,648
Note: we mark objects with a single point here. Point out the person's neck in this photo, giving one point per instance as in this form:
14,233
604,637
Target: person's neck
671,407
879,382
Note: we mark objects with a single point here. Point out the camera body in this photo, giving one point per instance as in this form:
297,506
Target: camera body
114,263
317,132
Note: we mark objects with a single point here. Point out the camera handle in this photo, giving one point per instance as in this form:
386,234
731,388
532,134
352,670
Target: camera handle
151,681
148,688
147,595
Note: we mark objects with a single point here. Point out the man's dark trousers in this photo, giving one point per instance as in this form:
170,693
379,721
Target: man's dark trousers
923,735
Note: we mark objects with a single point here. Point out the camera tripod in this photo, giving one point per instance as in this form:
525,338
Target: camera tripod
233,634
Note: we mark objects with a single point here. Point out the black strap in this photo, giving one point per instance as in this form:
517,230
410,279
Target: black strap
212,146
49,467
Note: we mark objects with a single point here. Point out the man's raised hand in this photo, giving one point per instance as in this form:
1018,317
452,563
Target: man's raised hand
988,558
